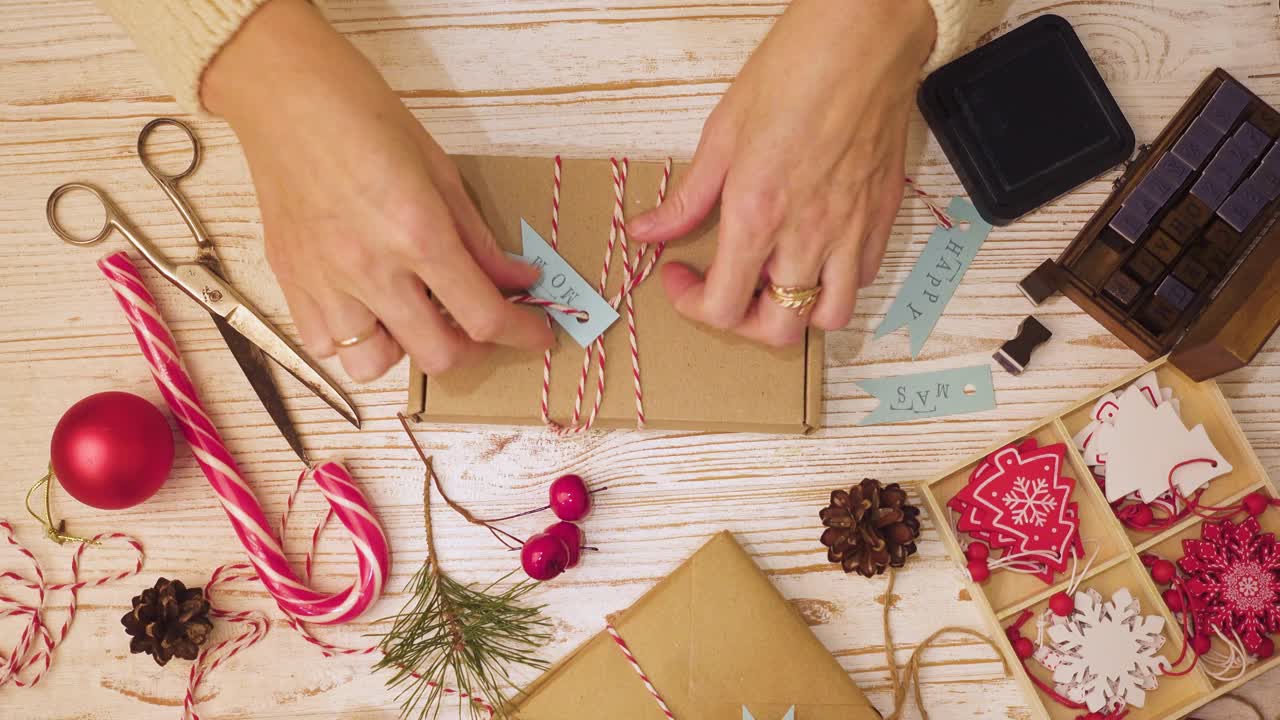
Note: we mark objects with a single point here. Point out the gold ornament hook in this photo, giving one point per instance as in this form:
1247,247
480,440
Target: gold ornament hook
56,532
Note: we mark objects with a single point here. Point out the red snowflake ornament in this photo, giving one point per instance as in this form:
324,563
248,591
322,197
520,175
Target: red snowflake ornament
1233,580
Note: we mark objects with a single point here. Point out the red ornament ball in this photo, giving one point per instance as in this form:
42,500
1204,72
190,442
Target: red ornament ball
979,571
572,536
112,450
1255,503
1162,571
977,552
1173,599
1266,648
1061,604
1201,644
544,556
1024,648
570,499
1142,516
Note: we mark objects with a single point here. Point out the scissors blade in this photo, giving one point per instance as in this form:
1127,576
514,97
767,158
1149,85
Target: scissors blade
269,340
219,298
254,364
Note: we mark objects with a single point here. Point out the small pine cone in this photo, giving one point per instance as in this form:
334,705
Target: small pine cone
870,527
168,620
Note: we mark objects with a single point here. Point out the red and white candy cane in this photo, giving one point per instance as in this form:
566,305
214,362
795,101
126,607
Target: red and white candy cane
348,504
28,661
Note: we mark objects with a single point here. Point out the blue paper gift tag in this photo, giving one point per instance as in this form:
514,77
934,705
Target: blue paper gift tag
560,283
930,394
791,714
936,275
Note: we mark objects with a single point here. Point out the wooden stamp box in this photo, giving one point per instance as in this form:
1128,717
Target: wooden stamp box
1004,596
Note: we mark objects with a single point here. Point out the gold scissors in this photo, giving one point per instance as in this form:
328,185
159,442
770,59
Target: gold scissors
249,336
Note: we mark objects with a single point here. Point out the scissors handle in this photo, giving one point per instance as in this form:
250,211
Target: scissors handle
169,181
113,219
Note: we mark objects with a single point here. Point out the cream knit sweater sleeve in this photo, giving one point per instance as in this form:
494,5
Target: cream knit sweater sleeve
181,37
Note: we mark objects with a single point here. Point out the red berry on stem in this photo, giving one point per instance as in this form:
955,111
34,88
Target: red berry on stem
977,552
979,571
572,536
1162,571
1142,516
1061,604
1201,644
544,556
570,499
112,450
1173,599
1266,648
1255,503
1024,648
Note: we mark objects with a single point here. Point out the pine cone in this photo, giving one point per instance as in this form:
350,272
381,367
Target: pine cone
168,621
870,527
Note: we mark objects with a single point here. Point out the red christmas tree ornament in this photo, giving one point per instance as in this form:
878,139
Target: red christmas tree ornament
1233,582
112,450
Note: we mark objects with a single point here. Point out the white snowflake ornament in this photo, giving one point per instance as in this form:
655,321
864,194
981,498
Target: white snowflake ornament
1106,652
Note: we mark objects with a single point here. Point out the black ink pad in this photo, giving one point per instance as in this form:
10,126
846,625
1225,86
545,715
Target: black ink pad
1025,119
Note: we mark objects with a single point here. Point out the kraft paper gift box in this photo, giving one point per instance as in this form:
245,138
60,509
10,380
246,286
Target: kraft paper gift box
713,636
694,377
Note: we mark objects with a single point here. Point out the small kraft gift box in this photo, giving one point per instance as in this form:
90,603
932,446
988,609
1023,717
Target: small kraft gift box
715,640
691,377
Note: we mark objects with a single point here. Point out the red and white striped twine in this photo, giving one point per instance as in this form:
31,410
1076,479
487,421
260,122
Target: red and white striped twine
938,213
635,665
28,661
635,270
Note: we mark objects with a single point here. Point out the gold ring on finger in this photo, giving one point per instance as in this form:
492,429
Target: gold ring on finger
800,299
360,337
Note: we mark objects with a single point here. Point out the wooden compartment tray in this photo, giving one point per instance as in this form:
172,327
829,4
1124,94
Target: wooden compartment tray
1005,595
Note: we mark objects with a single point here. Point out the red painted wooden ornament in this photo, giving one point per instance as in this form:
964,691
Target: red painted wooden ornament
979,571
1024,648
1266,648
1162,571
112,450
977,552
1061,604
1255,503
1173,599
572,536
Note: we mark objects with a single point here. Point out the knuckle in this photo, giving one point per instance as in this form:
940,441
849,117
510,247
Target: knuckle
440,360
721,315
486,328
833,320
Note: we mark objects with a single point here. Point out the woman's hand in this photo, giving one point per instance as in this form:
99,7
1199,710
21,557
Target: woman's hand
805,156
362,210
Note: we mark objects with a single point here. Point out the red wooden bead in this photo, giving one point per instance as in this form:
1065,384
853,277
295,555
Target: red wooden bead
1061,604
1266,648
1173,599
979,571
1163,571
1142,516
1255,503
1201,644
977,552
1023,648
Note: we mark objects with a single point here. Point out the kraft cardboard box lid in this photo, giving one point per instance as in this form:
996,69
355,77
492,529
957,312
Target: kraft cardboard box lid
694,377
714,636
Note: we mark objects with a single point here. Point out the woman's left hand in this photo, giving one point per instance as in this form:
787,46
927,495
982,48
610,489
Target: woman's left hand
805,156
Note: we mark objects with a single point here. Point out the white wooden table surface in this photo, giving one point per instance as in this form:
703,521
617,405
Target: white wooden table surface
535,77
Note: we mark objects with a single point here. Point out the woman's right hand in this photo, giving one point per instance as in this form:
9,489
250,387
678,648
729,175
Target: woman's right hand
362,211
